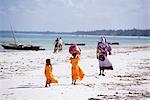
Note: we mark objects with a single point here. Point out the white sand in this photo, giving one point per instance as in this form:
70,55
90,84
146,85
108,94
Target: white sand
22,75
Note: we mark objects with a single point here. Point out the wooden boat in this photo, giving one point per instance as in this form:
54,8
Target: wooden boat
16,46
21,47
114,43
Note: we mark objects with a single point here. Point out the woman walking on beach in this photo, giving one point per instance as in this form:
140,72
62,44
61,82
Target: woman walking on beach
58,45
102,48
48,73
77,72
56,48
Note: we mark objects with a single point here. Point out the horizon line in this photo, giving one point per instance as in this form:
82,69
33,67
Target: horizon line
75,31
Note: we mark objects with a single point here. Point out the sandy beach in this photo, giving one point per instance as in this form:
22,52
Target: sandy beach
22,75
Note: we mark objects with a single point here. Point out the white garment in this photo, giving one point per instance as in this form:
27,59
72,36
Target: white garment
60,41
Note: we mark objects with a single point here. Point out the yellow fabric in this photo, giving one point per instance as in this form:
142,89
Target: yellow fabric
77,72
49,76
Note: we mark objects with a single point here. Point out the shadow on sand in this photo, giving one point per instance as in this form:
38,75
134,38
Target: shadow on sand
36,86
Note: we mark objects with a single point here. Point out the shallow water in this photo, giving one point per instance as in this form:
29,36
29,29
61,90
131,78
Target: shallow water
46,40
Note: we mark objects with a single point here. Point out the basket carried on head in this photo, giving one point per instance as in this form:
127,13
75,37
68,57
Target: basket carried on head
74,49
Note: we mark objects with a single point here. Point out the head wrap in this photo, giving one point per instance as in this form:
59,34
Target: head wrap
103,40
104,44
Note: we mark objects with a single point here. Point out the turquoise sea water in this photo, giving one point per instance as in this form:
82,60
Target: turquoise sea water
47,40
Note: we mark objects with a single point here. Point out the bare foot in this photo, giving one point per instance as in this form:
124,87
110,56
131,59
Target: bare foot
74,84
103,74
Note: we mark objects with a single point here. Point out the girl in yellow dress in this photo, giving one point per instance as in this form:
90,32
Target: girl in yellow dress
48,73
77,72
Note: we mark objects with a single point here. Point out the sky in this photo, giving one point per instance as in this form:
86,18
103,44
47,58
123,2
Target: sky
74,15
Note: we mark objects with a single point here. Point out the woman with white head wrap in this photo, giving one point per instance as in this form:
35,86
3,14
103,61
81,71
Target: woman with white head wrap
102,48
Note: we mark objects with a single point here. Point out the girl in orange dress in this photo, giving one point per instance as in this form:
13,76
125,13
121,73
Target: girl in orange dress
77,72
48,73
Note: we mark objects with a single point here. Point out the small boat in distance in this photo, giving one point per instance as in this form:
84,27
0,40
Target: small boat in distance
20,47
16,46
114,43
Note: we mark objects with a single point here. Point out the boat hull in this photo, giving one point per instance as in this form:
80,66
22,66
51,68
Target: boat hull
21,47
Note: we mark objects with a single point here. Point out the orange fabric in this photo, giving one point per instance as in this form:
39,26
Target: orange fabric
77,72
49,76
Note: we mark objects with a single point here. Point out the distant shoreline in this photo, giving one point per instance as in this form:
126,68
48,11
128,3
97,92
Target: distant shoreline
130,32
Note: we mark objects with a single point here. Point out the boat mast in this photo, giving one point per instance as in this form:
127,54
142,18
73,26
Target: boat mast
13,34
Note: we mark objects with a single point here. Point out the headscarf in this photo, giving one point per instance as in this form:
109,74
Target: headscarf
102,43
103,40
105,44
